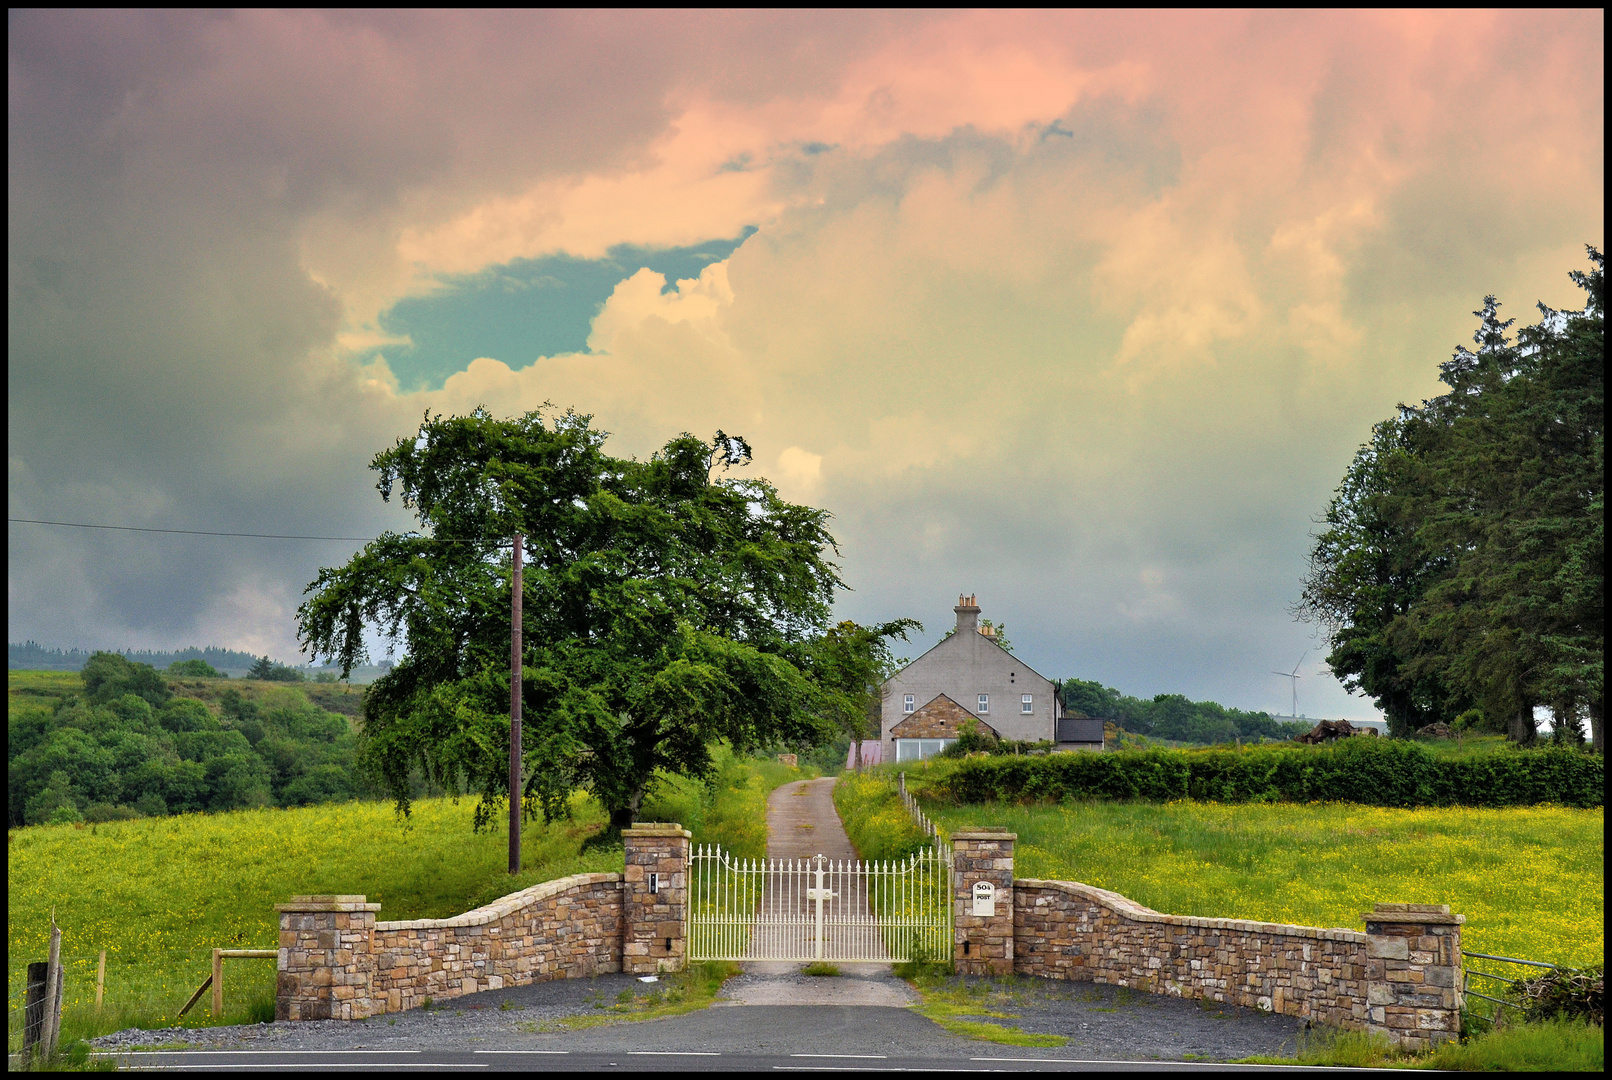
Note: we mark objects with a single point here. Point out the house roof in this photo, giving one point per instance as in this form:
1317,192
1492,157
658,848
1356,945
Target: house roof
1080,729
941,718
984,637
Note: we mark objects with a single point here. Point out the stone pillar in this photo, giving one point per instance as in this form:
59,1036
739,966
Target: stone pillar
982,884
1413,973
654,899
326,968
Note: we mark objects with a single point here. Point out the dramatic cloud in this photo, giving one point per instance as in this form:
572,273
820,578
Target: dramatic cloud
1082,313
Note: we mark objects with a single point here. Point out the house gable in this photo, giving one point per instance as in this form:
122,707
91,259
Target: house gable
941,718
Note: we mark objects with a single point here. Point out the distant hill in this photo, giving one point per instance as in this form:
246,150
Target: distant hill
32,656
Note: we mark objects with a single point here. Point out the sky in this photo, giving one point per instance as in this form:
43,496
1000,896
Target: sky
1084,313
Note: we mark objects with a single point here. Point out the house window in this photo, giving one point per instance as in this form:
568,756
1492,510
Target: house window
985,703
908,704
1026,704
918,749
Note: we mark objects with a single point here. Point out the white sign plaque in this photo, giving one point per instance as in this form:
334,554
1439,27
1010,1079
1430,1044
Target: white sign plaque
984,898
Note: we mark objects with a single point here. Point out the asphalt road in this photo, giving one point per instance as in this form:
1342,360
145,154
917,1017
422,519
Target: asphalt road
641,1061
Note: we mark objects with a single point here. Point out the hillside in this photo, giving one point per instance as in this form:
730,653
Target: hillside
143,744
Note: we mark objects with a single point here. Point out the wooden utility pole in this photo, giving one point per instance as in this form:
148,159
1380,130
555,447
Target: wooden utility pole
515,713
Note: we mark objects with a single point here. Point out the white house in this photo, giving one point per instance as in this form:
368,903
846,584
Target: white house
968,676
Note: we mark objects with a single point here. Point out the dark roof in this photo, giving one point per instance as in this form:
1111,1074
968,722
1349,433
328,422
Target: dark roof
1080,729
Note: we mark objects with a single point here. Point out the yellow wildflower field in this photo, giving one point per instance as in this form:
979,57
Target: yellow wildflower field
1530,880
158,894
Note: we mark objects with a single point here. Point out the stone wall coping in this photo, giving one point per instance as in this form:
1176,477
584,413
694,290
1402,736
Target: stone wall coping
1431,918
338,902
984,834
658,829
1132,910
503,906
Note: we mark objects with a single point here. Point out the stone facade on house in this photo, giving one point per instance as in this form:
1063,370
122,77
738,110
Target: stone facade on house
942,718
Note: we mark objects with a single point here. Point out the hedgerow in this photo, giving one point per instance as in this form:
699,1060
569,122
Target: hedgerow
1373,772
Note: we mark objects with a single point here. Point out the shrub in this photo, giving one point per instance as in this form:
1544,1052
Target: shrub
98,812
1563,994
193,669
1373,772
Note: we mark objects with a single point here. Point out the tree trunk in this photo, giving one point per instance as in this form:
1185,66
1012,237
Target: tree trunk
1523,730
1595,724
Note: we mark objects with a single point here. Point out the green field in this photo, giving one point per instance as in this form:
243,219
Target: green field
158,894
1530,880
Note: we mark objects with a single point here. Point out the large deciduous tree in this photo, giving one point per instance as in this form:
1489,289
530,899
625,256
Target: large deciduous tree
664,610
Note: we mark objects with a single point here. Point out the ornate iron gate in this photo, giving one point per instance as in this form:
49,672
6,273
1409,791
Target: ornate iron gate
819,908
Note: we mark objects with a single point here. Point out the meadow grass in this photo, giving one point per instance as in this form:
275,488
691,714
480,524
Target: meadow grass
1530,880
158,894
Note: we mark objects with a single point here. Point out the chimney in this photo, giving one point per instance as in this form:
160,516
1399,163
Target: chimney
968,614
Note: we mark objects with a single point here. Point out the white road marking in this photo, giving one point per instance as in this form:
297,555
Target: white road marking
678,1053
841,1055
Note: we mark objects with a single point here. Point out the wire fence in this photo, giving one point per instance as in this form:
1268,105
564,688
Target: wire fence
149,991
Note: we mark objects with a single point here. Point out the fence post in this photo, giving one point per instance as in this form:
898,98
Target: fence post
326,966
654,899
1413,973
33,1029
53,989
218,983
982,896
100,978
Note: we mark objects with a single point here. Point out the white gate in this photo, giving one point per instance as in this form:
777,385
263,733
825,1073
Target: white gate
819,908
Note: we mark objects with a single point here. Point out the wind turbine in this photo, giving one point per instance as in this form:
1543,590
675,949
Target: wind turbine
1295,676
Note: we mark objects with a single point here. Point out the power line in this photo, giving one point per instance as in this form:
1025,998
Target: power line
201,532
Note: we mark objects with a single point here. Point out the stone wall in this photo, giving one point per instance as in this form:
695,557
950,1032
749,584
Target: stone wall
1065,930
1402,977
338,963
564,929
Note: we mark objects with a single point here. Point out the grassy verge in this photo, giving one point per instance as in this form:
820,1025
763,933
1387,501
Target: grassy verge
1549,1046
962,1006
685,992
1530,880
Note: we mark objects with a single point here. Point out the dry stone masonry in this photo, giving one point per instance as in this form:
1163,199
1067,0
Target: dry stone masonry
1402,977
337,963
982,891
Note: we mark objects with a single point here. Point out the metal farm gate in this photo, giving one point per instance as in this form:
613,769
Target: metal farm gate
819,908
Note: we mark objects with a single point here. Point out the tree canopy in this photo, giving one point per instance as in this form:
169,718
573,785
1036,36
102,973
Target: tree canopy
1461,572
663,609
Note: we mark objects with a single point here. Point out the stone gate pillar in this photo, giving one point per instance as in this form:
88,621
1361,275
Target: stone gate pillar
654,899
982,892
326,968
1413,973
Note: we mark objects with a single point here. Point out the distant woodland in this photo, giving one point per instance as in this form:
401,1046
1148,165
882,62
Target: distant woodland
1173,716
122,739
32,656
